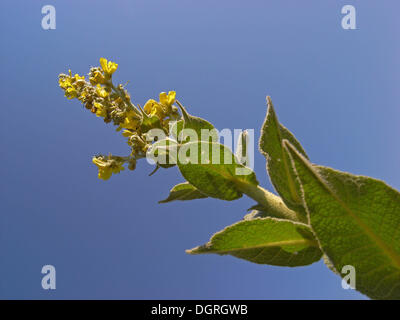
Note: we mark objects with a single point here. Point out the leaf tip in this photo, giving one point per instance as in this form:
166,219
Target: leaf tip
192,251
185,114
269,104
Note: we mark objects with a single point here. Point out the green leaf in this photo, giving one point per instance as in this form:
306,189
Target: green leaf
222,179
176,128
183,191
265,241
278,165
197,124
357,222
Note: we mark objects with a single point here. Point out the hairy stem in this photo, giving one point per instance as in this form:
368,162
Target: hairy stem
273,204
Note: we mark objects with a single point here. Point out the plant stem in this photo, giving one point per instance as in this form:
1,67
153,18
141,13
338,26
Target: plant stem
273,204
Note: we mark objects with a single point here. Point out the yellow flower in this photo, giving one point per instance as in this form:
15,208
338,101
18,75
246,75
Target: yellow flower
64,81
108,166
167,100
152,108
108,67
96,76
100,110
101,91
78,77
163,108
71,93
83,95
71,84
131,121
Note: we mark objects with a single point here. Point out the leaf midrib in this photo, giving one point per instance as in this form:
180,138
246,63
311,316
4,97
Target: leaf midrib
394,257
310,243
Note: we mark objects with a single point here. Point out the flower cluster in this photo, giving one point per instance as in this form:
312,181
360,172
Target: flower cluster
113,103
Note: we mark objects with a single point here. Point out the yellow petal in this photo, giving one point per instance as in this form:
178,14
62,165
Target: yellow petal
163,98
112,66
100,110
127,133
103,63
148,107
101,91
171,97
78,77
99,163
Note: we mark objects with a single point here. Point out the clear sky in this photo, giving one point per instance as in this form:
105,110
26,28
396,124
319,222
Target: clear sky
336,89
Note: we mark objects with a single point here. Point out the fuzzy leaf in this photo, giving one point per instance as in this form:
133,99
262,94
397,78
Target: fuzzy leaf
183,191
265,241
197,124
176,128
357,222
218,179
278,165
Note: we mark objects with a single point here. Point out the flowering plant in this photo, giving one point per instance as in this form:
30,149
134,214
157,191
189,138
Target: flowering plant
345,219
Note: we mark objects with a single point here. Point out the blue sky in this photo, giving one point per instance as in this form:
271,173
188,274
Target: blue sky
336,89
